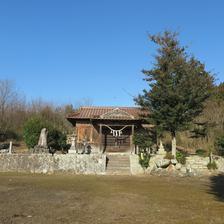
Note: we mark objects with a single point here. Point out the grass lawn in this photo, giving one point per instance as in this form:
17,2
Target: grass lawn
26,198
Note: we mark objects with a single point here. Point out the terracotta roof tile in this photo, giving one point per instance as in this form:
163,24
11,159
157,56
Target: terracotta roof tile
126,113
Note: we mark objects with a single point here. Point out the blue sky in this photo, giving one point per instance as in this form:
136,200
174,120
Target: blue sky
66,50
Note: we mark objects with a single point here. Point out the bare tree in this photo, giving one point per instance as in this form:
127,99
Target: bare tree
8,97
83,102
13,111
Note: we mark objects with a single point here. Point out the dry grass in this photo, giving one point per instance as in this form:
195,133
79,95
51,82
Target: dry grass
109,199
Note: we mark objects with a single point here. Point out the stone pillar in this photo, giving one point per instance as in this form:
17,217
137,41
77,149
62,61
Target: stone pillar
73,146
137,150
10,148
43,138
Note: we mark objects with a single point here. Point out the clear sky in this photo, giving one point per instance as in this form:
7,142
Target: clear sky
66,50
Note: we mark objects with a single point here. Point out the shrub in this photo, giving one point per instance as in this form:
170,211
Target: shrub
142,139
56,140
4,146
201,152
212,165
9,134
181,157
31,131
144,158
219,145
168,156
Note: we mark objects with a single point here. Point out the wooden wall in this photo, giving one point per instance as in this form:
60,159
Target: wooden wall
109,143
87,131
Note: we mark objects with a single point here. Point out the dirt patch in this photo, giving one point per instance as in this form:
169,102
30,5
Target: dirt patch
107,199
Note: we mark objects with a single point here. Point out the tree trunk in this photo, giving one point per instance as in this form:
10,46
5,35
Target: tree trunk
174,145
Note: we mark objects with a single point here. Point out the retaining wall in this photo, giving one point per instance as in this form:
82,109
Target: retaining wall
195,165
46,163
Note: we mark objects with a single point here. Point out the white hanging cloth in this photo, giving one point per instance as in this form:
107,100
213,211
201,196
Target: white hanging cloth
116,133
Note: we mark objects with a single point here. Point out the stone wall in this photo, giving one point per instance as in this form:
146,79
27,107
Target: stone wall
158,165
135,167
197,164
96,164
220,163
46,163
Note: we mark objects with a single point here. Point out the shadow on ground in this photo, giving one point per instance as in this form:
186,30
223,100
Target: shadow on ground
217,186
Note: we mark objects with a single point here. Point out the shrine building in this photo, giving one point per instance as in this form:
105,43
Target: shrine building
107,129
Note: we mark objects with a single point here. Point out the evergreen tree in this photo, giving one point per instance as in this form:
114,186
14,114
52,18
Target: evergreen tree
178,86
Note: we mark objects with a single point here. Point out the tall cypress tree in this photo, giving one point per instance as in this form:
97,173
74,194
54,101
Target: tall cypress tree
178,86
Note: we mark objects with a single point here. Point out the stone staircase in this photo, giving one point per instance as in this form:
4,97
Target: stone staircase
118,164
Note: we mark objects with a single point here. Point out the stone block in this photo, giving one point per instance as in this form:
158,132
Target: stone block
135,167
178,166
183,170
170,168
162,163
173,161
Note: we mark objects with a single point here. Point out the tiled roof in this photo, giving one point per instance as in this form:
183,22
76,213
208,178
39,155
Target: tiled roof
114,113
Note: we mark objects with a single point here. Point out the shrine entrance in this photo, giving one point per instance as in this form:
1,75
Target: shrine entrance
107,129
116,138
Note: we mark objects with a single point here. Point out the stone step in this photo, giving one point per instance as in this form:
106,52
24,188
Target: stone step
118,173
118,162
118,165
117,159
118,170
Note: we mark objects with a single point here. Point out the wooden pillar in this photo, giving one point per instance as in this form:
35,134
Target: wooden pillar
77,133
91,133
132,135
101,138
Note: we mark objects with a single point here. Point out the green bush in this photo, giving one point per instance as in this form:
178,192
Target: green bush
212,165
32,129
168,156
201,152
219,145
56,140
181,157
142,139
144,158
9,134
